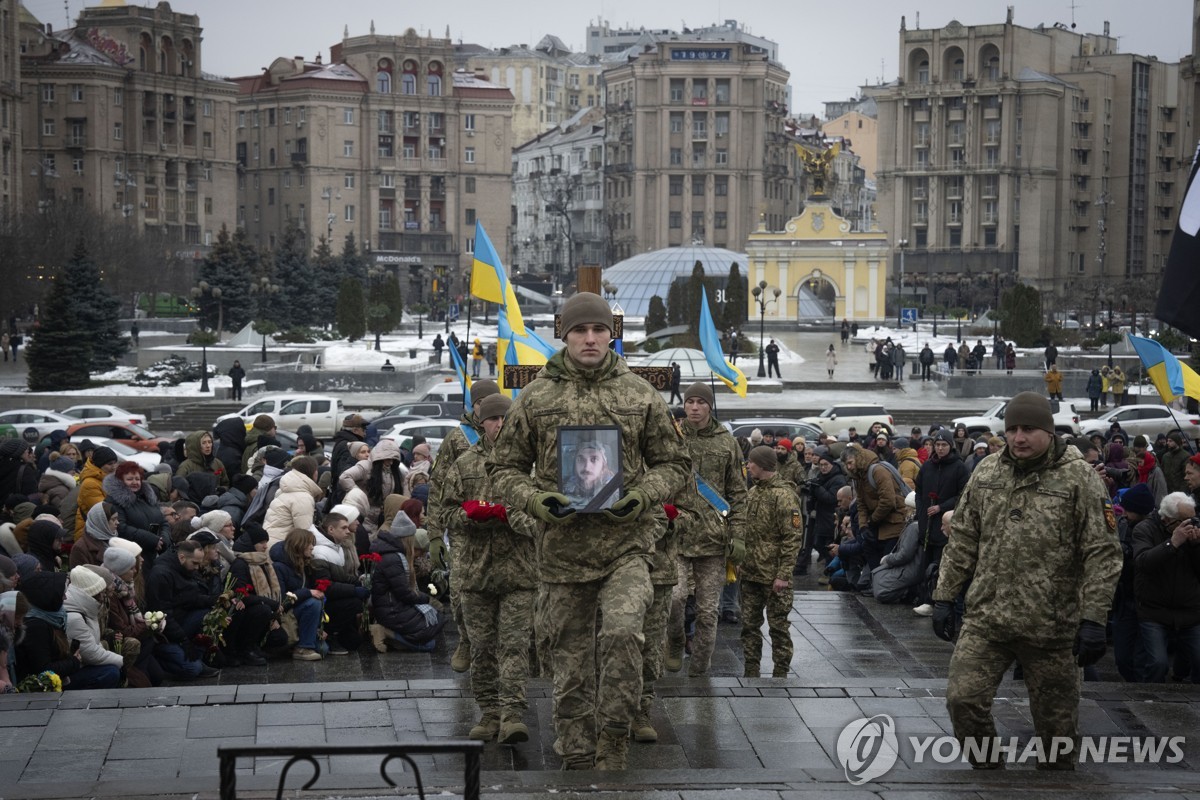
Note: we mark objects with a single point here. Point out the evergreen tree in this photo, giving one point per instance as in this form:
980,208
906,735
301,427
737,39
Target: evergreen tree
656,315
326,283
223,269
58,352
353,264
351,310
675,303
294,274
1021,310
96,310
736,300
693,300
387,306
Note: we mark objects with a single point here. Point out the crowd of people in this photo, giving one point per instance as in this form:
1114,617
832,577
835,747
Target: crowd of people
587,524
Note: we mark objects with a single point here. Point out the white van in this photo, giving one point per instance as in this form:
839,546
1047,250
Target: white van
324,413
447,391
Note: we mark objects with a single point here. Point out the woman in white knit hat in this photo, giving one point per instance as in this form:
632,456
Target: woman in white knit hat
83,605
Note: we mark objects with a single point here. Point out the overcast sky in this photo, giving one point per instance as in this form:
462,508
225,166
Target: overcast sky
829,48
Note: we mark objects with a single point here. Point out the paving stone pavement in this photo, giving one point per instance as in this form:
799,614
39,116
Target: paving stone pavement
765,738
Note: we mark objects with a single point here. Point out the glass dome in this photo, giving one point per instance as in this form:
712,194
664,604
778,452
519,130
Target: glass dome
639,278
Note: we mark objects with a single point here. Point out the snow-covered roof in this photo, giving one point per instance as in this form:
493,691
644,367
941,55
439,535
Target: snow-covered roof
1028,74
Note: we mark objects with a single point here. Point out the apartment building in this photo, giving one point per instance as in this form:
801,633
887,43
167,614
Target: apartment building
119,115
10,106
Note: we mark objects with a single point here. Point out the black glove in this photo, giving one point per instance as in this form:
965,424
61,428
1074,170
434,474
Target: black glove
945,621
1091,641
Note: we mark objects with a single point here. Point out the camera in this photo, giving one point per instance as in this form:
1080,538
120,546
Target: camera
1194,522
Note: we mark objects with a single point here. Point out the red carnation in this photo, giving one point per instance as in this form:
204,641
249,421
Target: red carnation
323,585
245,590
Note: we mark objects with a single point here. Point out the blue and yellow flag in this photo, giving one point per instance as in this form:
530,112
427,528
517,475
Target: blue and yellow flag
516,348
1170,376
460,369
710,342
489,281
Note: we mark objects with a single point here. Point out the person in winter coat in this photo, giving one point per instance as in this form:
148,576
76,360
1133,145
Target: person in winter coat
1146,471
406,615
231,441
125,611
964,358
950,357
379,477
173,588
235,501
939,484
45,645
199,457
336,560
908,463
58,481
1116,382
1054,381
901,571
292,560
100,526
962,442
823,495
295,504
1095,389
980,353
103,462
44,542
881,510
830,361
926,359
252,566
237,374
18,470
1166,551
84,603
260,435
141,521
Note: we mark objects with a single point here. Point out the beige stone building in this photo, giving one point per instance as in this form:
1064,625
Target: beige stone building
549,83
120,115
861,132
1035,154
695,146
386,142
10,106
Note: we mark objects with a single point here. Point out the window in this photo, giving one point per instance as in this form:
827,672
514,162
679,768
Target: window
675,220
241,119
348,148
48,92
923,72
699,126
408,83
76,92
720,220
48,127
349,214
118,97
697,186
348,180
257,214
77,165
287,179
241,216
676,185
256,151
348,116
271,196
208,139
469,216
677,88
383,83
468,122
437,121
287,115
676,156
697,221
676,122
208,205
699,152
721,185
206,108
433,84
271,117
118,131
469,186
386,149
722,155
469,155
722,124
387,181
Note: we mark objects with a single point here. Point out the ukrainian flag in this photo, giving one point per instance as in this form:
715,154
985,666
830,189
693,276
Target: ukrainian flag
489,281
710,342
516,348
460,369
1170,376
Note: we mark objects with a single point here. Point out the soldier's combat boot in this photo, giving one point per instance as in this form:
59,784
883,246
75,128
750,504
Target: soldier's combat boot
643,731
486,729
461,660
673,661
612,748
779,672
512,729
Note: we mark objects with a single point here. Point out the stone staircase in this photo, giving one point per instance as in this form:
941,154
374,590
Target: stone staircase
193,416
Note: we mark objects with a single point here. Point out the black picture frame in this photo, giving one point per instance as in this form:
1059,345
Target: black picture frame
589,466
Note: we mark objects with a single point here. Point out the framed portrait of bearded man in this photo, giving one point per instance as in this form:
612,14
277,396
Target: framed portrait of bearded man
589,460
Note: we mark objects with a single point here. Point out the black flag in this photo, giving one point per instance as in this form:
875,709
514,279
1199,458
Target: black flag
1179,296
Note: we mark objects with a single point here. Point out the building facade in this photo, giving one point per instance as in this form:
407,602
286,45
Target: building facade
10,105
386,142
1036,155
696,150
120,116
558,200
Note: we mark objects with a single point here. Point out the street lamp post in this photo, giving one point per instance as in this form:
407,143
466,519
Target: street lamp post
996,306
328,196
203,288
264,290
1110,327
900,288
760,297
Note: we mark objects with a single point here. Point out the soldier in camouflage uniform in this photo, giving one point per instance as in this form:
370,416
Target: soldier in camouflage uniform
453,446
595,561
1035,534
707,541
495,562
774,531
791,464
663,576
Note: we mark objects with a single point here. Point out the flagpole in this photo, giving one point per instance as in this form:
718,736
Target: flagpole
712,384
1188,443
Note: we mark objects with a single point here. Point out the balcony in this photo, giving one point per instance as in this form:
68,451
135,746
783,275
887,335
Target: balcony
991,113
412,192
149,111
75,142
299,158
387,192
610,169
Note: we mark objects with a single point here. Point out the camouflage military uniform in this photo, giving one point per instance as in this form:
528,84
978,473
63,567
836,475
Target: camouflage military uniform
453,446
793,472
590,563
774,531
704,540
1040,548
663,577
497,578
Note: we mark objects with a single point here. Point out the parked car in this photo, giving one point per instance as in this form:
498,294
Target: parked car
418,409
128,434
145,460
1149,420
860,416
96,412
794,427
42,421
1066,419
324,413
429,428
447,391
